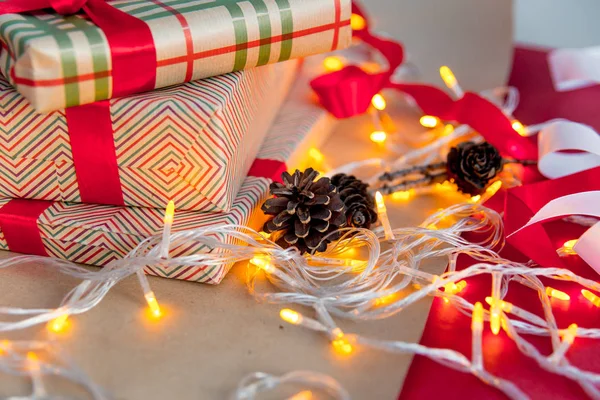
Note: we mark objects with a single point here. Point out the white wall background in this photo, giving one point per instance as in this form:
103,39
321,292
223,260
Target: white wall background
557,23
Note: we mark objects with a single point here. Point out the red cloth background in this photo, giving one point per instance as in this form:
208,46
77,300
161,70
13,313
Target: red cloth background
447,328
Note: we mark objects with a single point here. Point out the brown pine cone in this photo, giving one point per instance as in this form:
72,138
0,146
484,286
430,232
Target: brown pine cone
360,204
304,211
472,166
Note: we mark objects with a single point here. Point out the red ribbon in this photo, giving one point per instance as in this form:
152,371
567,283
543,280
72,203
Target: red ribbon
130,39
94,155
267,168
18,223
348,92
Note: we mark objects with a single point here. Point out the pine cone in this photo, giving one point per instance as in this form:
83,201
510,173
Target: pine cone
304,211
360,205
472,166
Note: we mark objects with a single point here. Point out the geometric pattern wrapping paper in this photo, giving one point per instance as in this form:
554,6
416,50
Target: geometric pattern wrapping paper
62,61
191,143
97,234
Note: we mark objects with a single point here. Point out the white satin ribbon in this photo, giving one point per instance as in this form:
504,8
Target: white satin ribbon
584,203
572,69
563,135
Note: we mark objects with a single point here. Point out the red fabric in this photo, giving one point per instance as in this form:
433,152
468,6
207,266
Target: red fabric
447,328
266,168
130,39
94,156
18,223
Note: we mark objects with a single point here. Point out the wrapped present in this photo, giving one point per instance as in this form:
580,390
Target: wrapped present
97,234
60,54
192,143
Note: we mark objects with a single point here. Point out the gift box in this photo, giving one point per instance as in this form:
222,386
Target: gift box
192,143
82,52
97,234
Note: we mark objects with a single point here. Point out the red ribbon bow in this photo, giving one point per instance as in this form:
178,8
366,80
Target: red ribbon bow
130,40
348,92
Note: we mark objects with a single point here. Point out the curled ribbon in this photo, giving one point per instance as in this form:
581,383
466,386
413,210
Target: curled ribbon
574,68
348,92
130,40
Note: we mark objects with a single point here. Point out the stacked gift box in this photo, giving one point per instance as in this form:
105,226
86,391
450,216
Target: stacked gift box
94,143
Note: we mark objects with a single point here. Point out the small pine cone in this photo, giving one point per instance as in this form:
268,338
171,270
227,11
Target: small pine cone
304,211
360,205
473,165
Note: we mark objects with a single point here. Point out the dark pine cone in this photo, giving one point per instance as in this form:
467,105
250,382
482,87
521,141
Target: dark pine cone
360,205
304,211
472,166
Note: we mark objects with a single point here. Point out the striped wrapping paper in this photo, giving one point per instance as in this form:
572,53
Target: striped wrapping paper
192,143
58,62
95,234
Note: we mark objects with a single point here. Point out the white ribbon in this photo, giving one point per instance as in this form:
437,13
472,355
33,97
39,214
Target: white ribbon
584,203
560,136
572,69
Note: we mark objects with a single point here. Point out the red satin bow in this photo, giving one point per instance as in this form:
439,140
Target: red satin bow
348,92
130,39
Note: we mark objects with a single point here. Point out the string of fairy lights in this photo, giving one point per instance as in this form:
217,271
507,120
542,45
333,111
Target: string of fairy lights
364,276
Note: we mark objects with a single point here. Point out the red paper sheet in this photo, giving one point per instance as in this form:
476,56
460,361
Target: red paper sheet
447,328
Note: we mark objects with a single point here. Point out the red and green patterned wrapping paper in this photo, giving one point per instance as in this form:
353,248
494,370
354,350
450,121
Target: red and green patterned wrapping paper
192,143
58,62
96,234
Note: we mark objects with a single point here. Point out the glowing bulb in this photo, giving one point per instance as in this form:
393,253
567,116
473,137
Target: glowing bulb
264,263
557,294
33,361
333,63
448,76
401,195
569,244
477,317
153,304
357,22
342,346
519,128
303,395
378,102
58,324
429,121
316,155
382,212
290,316
169,212
378,136
381,301
4,346
265,234
448,129
505,305
475,198
570,334
592,298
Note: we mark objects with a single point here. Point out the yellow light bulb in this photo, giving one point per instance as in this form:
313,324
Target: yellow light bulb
303,395
570,334
378,136
33,361
495,320
557,294
477,317
342,346
592,298
390,298
4,346
450,287
58,324
493,188
460,285
265,234
429,121
316,155
333,63
380,203
448,129
357,22
402,195
519,128
448,76
378,102
475,198
290,316
169,212
153,304
383,217
505,305
263,262
569,244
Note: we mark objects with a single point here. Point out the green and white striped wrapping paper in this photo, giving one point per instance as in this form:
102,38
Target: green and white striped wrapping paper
58,62
95,234
191,143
